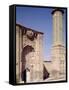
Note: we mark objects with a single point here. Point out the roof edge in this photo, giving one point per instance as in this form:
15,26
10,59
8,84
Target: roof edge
21,26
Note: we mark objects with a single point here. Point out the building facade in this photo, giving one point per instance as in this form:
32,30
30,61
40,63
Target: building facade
29,59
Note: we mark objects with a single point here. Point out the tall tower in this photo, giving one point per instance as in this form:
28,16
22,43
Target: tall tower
58,49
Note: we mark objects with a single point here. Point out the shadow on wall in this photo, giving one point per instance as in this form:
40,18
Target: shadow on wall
45,73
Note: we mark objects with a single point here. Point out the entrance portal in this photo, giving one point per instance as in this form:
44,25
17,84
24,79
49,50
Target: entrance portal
25,75
29,59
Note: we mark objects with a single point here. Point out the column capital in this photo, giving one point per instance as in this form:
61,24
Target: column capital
57,9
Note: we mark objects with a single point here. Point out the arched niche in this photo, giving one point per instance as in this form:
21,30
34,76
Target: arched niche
25,69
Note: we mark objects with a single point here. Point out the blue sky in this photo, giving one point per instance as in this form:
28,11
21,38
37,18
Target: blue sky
39,19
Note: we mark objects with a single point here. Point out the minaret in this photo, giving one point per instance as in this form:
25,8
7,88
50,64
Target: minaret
58,49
